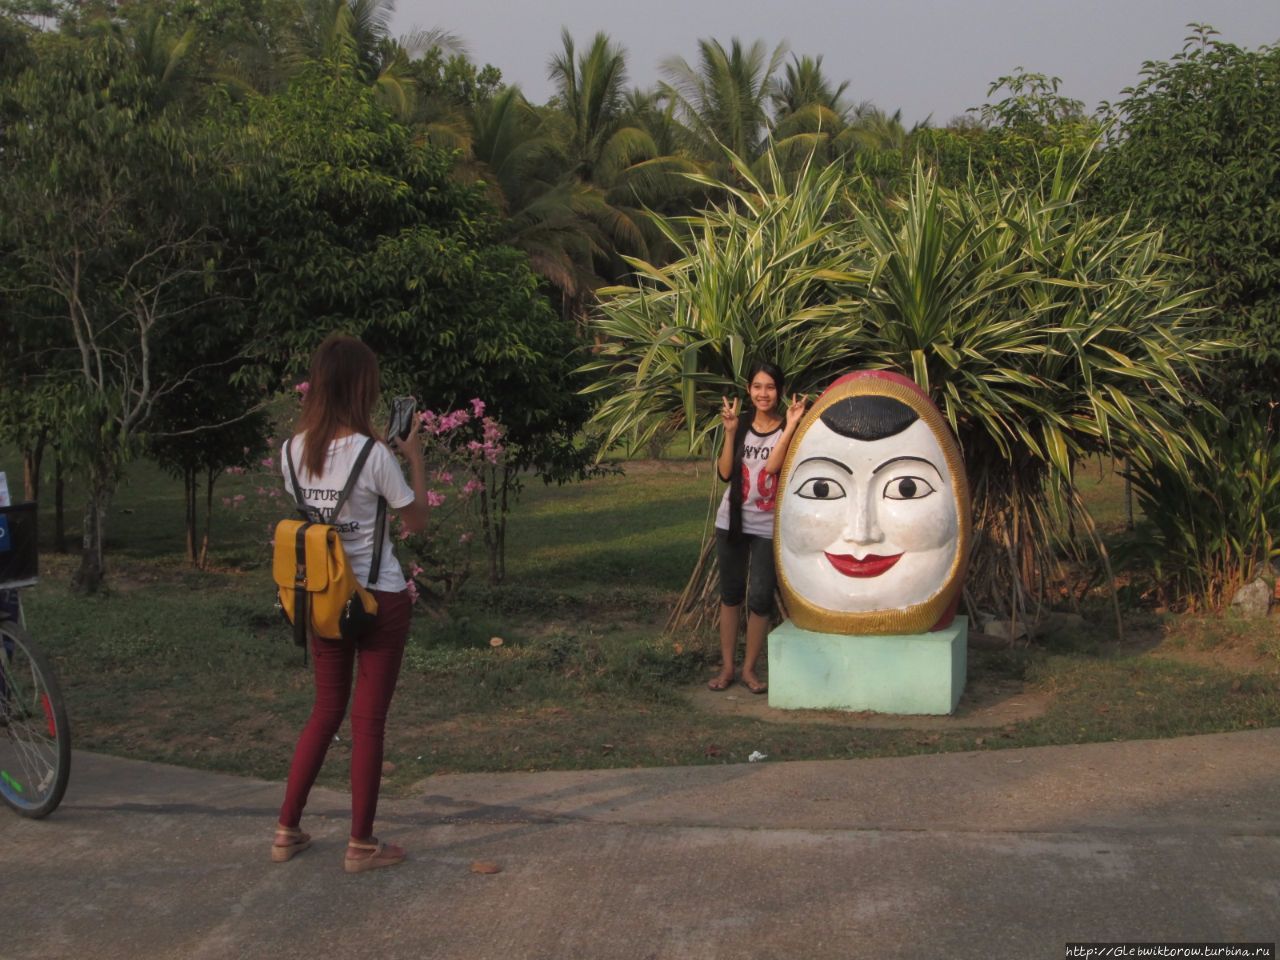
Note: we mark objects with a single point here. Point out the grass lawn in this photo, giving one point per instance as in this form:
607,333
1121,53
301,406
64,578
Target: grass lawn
194,667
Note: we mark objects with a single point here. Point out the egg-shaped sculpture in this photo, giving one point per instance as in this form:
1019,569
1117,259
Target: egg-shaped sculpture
873,518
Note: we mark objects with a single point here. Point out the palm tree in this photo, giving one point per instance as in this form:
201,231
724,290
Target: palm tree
723,100
591,95
804,84
443,120
810,118
615,172
514,152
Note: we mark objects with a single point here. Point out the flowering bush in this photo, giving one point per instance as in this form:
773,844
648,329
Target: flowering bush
465,454
463,450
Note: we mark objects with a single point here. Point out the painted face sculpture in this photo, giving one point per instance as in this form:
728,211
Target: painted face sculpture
873,517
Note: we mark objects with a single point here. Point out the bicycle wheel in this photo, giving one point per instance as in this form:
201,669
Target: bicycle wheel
35,740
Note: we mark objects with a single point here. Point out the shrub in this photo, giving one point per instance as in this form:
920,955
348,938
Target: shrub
1212,528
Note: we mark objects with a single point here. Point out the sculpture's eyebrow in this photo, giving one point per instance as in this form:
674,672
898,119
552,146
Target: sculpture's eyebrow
900,459
827,460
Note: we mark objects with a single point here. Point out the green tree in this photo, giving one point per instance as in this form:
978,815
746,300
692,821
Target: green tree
359,225
1017,137
1195,148
107,210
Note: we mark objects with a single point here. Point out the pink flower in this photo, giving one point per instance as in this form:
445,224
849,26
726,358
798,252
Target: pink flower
302,387
239,498
412,589
477,406
472,486
226,501
402,535
434,499
415,571
268,462
444,476
452,420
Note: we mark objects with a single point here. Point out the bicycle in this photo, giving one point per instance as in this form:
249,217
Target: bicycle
35,738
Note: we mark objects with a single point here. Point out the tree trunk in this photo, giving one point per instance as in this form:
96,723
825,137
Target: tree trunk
59,513
487,508
210,477
189,511
92,568
31,458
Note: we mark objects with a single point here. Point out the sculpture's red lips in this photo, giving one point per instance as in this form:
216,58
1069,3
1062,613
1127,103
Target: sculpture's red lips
872,565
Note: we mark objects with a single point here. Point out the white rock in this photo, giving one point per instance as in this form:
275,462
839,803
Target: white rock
1253,599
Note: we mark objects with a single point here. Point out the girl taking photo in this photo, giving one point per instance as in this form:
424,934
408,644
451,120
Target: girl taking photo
335,423
755,446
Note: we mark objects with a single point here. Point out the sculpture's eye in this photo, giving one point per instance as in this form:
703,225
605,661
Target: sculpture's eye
820,488
907,488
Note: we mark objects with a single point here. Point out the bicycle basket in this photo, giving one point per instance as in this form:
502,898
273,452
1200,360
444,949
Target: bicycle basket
19,556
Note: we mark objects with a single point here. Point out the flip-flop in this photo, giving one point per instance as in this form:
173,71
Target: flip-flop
719,684
754,686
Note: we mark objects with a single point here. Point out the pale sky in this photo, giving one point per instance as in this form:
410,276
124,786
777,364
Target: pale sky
927,57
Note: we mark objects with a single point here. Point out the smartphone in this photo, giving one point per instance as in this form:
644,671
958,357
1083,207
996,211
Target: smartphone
402,411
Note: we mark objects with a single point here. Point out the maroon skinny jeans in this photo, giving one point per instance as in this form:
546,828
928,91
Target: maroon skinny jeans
376,662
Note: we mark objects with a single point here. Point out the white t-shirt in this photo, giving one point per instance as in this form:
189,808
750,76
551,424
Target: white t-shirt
759,489
380,476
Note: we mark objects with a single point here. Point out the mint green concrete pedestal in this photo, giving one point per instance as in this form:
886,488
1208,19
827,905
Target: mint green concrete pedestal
916,673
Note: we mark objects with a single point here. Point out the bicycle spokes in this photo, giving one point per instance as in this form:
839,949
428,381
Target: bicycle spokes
35,749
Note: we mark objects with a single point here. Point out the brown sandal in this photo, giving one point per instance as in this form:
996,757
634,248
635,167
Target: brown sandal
372,855
288,843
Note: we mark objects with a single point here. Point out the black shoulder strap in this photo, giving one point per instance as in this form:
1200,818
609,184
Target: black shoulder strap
293,478
380,531
355,472
301,613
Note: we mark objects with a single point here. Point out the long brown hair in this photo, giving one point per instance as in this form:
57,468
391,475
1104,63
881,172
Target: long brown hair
344,386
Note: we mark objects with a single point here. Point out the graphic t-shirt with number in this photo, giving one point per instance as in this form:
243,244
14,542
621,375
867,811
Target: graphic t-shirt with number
759,489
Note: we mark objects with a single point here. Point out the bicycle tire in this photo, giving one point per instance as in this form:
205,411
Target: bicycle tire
35,738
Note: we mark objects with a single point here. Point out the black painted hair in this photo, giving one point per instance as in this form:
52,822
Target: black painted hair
869,417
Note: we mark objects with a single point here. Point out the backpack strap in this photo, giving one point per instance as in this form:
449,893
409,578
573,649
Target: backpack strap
380,531
356,467
301,611
293,478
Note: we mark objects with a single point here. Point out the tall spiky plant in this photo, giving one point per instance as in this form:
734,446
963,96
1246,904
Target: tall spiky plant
1044,335
762,276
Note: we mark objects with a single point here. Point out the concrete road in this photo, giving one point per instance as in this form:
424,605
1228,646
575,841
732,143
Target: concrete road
999,854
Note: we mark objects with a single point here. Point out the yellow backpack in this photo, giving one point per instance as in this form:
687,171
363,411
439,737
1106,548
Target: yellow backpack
317,590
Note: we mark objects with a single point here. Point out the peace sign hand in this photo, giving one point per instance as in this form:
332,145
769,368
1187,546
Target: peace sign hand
799,403
729,414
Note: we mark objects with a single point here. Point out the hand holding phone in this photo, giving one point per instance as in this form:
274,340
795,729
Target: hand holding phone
401,423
